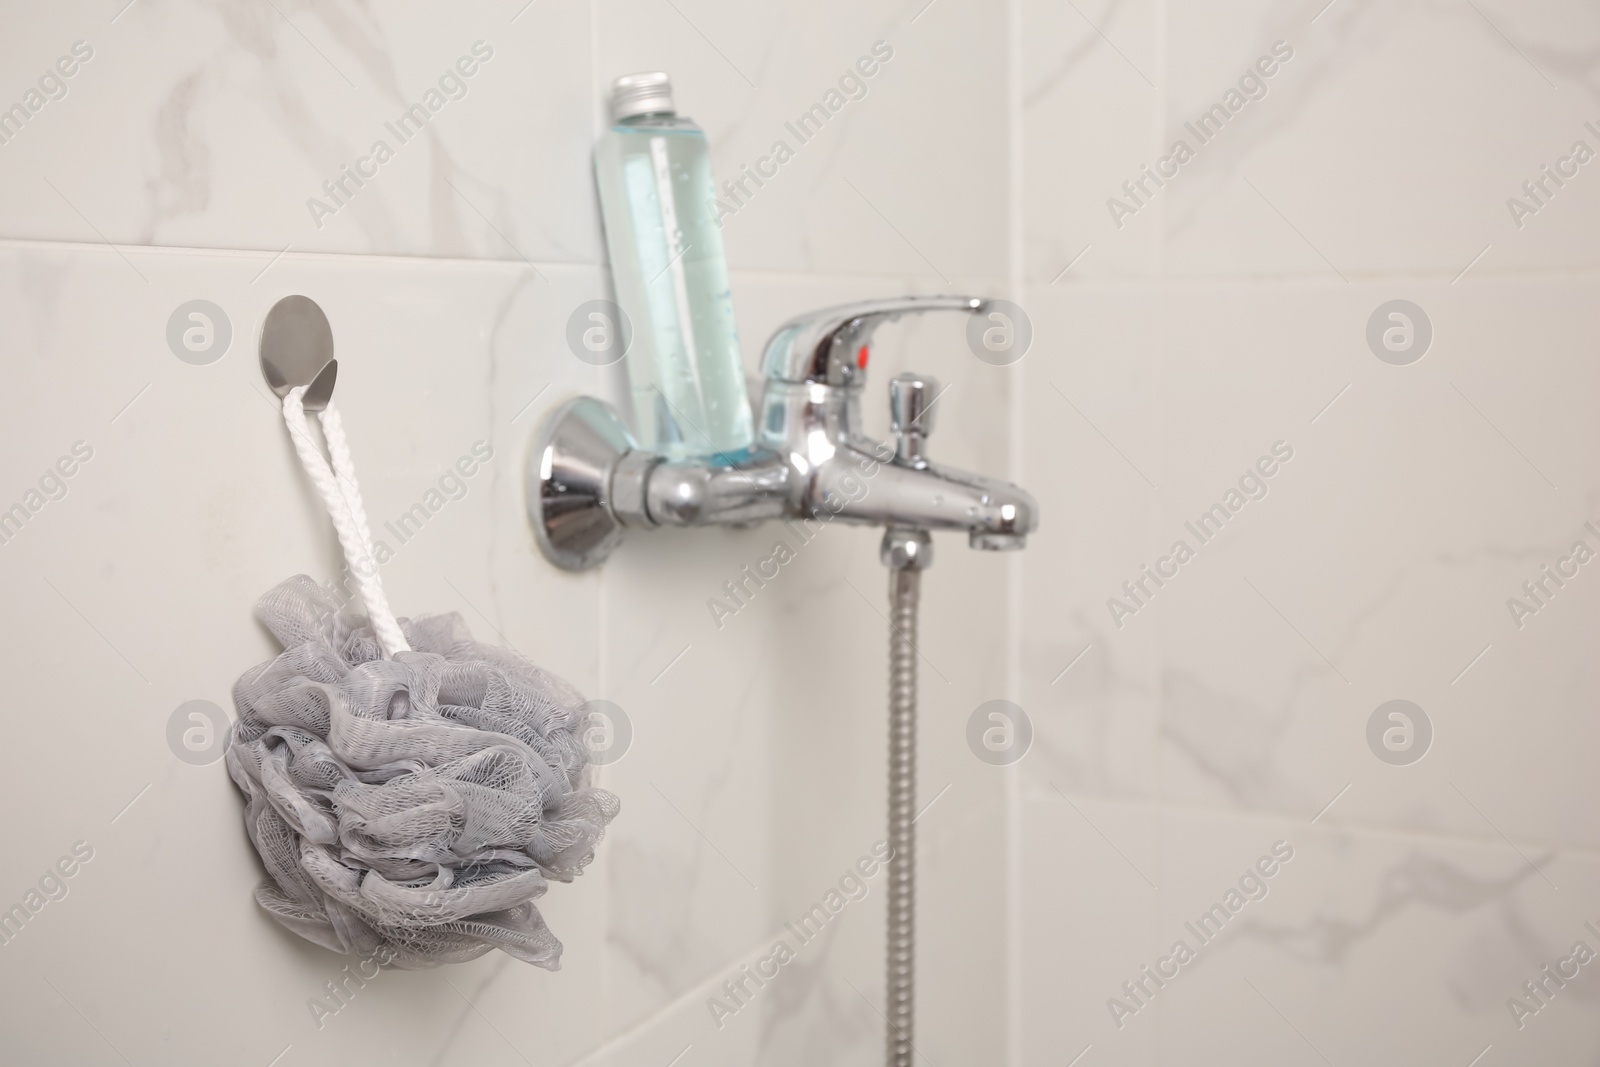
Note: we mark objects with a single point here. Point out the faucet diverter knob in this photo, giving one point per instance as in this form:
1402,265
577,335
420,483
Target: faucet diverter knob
911,398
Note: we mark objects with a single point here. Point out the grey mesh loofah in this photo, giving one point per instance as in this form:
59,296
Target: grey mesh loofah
414,804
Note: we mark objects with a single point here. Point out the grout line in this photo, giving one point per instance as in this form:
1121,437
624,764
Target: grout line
1104,838
602,583
1161,808
1142,282
1113,47
103,238
1011,795
1103,437
1295,228
268,267
609,1045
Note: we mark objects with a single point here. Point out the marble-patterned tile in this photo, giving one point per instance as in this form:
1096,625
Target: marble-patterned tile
1088,905
1390,137
1091,112
131,592
217,126
1377,563
1093,439
1273,940
964,903
1310,944
1222,318
900,168
822,994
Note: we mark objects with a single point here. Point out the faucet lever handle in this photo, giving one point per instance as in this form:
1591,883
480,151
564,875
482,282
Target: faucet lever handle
911,399
828,346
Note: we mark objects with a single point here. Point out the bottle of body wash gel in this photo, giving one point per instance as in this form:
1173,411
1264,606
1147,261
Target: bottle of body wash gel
657,197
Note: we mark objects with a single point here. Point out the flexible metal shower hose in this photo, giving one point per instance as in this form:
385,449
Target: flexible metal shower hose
903,591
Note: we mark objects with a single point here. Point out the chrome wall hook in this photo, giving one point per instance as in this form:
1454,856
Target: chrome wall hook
297,349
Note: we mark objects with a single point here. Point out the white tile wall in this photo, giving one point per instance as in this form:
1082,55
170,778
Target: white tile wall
1228,313
177,167
1170,751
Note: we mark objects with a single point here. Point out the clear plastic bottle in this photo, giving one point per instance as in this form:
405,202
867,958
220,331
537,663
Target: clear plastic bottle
657,196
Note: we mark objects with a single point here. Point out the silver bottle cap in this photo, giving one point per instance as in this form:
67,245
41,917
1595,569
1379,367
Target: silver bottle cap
640,94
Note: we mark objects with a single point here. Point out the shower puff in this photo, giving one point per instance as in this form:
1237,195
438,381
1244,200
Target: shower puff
412,806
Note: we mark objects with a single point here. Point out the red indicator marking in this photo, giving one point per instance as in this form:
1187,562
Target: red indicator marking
861,358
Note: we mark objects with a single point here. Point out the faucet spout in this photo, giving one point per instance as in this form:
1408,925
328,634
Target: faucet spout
854,484
996,515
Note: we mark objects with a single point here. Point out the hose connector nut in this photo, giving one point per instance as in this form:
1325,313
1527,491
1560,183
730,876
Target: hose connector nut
905,549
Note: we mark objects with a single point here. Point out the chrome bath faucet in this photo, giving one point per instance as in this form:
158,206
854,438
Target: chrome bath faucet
589,481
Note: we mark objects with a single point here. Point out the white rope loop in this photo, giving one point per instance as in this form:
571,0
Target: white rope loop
341,493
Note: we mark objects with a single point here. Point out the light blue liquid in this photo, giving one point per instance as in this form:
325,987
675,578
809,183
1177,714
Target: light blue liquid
656,197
